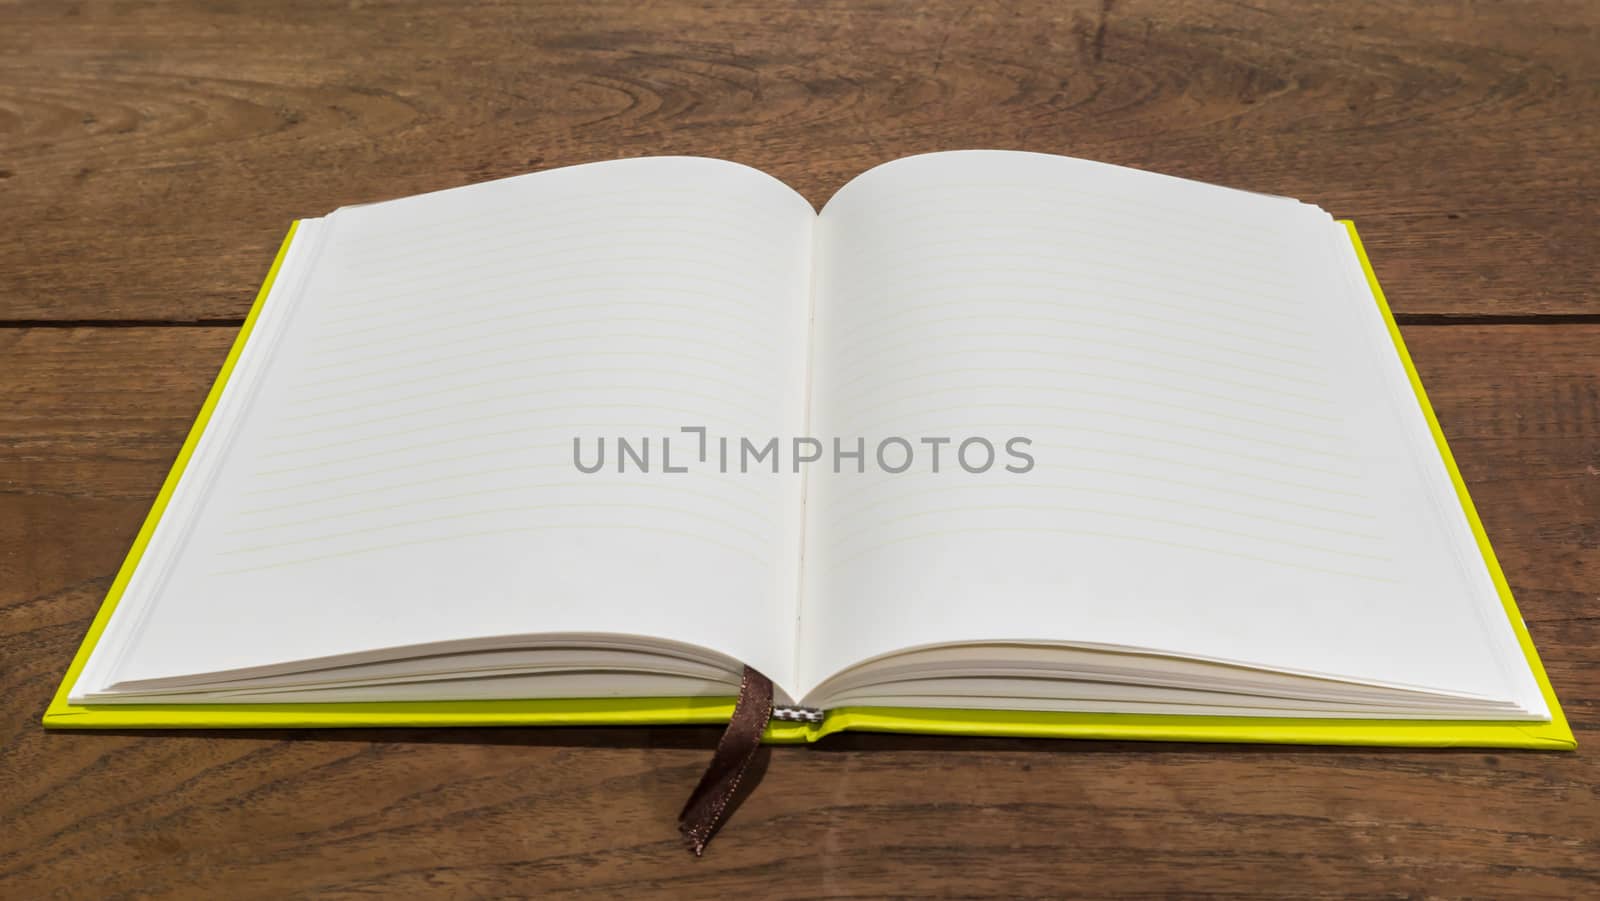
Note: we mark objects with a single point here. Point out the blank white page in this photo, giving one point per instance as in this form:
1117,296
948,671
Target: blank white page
402,468
1228,464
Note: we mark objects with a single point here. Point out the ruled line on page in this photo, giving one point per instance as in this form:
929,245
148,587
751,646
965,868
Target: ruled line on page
533,279
696,537
542,342
413,366
498,490
460,439
542,376
441,279
281,488
1036,191
592,330
862,414
911,237
855,387
856,381
899,418
552,235
916,341
474,399
860,337
676,511
455,324
492,218
927,263
492,288
496,215
861,490
403,243
552,456
1134,538
1037,294
838,535
891,223
327,340
908,220
859,294
1209,527
686,414
1305,400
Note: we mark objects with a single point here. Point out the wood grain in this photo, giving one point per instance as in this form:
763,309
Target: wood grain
90,418
152,154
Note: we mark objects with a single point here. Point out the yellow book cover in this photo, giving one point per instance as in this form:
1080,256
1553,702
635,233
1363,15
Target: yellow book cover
656,711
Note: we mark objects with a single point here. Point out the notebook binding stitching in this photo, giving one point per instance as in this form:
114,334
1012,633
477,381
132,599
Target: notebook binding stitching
798,714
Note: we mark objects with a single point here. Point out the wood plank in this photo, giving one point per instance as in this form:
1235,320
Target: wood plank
152,154
89,420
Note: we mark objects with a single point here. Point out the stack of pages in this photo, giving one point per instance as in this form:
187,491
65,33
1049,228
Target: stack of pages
997,443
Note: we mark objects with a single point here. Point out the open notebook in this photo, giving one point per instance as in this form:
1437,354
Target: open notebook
997,443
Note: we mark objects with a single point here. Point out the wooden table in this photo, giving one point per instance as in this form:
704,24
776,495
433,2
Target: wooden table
152,154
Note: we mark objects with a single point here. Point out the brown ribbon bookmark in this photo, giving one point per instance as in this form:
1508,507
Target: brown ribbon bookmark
703,813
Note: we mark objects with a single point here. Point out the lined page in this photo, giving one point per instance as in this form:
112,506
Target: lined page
1218,468
404,472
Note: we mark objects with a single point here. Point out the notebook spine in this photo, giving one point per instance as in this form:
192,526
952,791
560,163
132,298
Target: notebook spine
799,714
